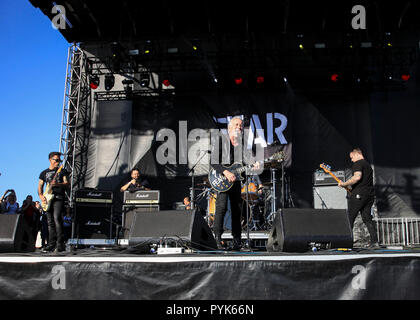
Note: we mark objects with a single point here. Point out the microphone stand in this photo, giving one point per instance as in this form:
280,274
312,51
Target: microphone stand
248,241
192,171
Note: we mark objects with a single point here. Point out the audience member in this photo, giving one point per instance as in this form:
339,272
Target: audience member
31,214
9,204
43,224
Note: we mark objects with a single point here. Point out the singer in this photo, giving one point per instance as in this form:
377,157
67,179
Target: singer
135,183
235,129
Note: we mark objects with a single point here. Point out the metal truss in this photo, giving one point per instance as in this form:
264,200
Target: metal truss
76,116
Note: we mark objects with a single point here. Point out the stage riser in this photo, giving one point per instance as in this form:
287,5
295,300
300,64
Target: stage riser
341,276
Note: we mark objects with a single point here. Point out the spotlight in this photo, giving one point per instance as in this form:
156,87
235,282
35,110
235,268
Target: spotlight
147,47
127,85
109,81
334,77
405,77
238,80
260,79
166,82
94,81
144,80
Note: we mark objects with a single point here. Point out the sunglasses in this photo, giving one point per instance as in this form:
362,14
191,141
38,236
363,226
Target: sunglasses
56,160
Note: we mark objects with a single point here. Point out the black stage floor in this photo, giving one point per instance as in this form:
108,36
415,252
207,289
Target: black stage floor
123,274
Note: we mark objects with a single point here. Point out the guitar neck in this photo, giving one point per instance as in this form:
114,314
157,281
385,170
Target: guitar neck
338,180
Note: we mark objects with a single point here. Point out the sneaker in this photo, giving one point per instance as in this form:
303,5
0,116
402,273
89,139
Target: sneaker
236,245
219,243
61,248
49,248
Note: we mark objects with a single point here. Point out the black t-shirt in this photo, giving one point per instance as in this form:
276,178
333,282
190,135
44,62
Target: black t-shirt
141,184
365,185
48,175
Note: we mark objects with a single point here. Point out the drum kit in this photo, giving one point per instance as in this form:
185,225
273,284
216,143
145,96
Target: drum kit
261,200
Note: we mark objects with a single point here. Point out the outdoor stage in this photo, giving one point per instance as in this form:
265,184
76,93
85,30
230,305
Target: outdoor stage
97,274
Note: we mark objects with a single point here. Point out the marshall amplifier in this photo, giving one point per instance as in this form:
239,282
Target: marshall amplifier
322,178
93,214
93,197
141,197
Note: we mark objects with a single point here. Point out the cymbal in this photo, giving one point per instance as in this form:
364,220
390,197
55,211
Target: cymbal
272,164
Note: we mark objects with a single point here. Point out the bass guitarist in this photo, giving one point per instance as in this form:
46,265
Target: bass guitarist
58,181
235,132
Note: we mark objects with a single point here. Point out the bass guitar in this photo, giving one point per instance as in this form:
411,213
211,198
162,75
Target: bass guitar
327,169
220,183
49,196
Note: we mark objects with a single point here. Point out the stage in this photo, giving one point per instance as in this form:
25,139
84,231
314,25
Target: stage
123,274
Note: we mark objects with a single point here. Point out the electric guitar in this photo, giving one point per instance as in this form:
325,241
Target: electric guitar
327,169
220,183
49,196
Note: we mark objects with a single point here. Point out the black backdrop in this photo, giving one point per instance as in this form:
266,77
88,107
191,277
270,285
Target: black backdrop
321,127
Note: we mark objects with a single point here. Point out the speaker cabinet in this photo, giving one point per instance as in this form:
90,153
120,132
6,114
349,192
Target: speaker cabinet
15,234
294,230
93,222
185,225
329,197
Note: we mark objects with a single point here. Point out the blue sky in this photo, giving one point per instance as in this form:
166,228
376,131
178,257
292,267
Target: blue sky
33,58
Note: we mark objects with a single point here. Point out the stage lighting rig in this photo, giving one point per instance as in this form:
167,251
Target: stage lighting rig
109,81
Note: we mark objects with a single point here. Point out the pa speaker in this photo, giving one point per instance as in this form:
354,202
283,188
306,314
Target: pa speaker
15,234
295,230
186,225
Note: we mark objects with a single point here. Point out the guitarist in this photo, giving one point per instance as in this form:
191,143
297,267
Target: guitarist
235,131
362,194
58,181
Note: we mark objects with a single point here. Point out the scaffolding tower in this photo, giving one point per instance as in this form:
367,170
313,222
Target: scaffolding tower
76,116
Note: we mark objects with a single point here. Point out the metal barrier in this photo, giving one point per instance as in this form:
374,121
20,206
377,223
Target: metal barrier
398,231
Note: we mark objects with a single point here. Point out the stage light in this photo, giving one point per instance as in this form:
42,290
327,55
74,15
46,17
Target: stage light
94,81
144,80
147,47
109,81
405,77
260,79
127,85
238,80
334,77
301,46
166,82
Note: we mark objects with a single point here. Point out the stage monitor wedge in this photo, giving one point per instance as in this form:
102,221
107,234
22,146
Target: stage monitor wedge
295,230
186,226
15,234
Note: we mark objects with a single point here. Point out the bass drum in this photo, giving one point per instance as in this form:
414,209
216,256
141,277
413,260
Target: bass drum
252,192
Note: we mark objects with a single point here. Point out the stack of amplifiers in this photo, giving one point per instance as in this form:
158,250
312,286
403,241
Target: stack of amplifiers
93,214
138,201
326,193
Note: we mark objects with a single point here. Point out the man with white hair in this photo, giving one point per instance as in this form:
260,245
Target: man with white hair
236,154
